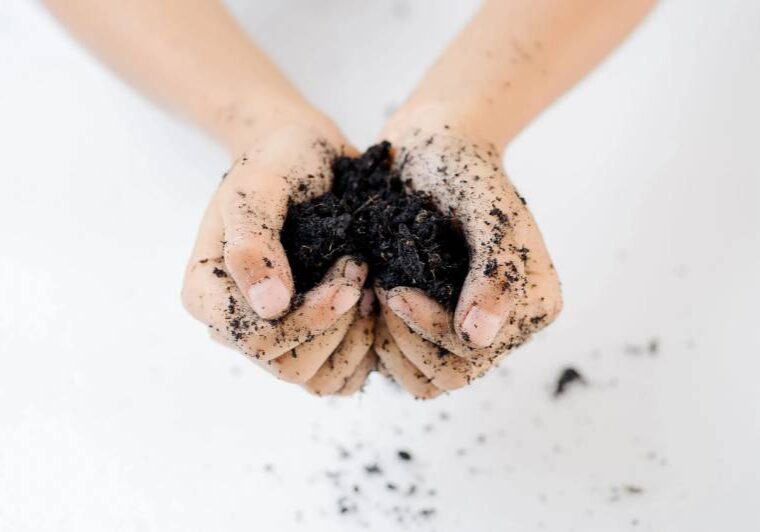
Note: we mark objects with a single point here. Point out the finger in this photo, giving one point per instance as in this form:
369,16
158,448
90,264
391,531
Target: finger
496,281
322,307
303,361
347,385
445,369
433,322
544,291
356,381
334,373
217,302
212,297
367,303
266,366
399,367
253,209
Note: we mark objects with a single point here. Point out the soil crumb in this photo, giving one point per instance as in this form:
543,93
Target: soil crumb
374,216
404,455
568,376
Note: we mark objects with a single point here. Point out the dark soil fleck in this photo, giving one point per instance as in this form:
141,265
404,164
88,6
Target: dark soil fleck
569,375
219,273
404,455
654,346
490,268
427,512
522,200
499,214
371,215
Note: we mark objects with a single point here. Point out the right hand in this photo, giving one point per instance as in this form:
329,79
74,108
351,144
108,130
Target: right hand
238,281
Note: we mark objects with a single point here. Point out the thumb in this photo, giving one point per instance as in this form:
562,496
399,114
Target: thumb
495,284
253,214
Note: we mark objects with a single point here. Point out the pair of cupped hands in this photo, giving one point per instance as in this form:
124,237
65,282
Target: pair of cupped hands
238,281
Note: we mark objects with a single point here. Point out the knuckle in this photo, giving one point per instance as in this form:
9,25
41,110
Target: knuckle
238,253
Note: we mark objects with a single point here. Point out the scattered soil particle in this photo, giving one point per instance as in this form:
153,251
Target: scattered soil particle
404,455
344,507
400,494
653,346
372,215
219,273
569,375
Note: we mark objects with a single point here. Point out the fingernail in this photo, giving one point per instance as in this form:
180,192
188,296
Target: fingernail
355,271
345,298
480,327
367,302
269,297
400,306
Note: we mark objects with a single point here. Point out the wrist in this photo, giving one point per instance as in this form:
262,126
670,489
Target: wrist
242,123
451,118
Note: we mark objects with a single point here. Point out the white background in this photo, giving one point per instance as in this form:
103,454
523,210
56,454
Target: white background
118,414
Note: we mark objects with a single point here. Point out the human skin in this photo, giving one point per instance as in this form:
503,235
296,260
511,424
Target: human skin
510,62
193,57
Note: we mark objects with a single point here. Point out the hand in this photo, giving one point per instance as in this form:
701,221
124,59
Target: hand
511,290
238,281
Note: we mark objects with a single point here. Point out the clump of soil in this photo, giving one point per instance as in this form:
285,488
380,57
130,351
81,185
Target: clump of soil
372,215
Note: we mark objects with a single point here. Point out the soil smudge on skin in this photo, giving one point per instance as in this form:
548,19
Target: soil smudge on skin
374,216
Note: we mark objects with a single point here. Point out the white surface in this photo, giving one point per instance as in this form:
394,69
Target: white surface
117,413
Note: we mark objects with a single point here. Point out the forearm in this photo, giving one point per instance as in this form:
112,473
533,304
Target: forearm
514,59
191,56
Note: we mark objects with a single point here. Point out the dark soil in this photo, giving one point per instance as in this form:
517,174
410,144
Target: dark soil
372,215
568,376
